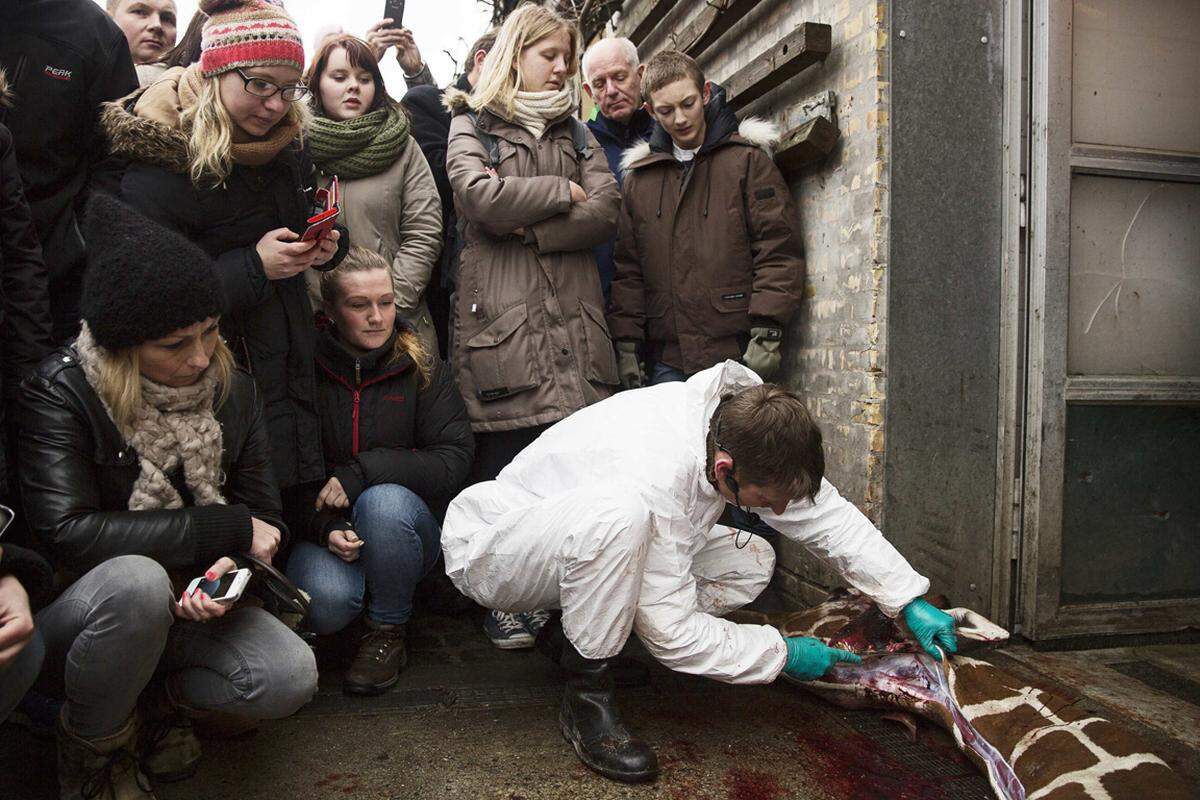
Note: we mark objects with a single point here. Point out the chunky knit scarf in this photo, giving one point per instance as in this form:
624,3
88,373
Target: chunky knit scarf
179,89
533,111
359,147
172,427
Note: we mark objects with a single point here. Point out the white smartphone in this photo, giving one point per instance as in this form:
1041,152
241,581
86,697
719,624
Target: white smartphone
227,589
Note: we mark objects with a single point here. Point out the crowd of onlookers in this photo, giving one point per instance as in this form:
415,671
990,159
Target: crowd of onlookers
188,380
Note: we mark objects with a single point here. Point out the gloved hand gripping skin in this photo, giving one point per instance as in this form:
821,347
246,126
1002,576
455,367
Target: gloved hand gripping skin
931,626
762,353
628,366
809,658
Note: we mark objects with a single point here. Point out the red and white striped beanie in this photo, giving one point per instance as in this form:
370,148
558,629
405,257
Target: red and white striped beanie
248,33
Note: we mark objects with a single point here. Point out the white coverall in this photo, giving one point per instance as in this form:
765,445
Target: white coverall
609,516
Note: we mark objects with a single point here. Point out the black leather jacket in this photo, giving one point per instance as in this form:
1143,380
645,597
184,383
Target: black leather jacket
77,474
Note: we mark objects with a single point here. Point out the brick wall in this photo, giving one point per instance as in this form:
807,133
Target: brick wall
835,348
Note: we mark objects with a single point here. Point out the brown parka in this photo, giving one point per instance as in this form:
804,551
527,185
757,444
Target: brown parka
529,341
707,253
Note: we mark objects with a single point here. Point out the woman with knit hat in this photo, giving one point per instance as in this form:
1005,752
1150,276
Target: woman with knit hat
145,464
530,343
214,151
361,135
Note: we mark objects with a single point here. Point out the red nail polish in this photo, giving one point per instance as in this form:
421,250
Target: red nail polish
210,575
203,596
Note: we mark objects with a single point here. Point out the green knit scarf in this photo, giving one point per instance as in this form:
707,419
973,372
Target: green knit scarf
359,147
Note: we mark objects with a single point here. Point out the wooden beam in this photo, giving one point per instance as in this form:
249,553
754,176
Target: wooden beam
805,144
809,43
710,24
637,26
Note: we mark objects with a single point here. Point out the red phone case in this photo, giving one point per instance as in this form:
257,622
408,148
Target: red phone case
319,225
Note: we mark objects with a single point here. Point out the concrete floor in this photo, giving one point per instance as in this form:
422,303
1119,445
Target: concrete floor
470,721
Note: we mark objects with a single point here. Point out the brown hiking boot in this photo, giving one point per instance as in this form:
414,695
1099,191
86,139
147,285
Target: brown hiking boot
167,743
381,656
100,769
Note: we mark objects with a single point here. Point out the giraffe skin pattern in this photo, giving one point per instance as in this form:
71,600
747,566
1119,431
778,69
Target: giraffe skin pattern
1031,741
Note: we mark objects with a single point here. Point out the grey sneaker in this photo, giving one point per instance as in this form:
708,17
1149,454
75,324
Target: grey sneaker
508,631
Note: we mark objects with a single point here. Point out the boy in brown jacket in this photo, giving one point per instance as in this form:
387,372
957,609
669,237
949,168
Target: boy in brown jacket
709,260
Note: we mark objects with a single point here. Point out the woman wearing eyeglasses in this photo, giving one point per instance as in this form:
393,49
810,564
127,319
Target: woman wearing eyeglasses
214,150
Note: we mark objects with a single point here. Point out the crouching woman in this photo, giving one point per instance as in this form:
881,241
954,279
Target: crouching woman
398,446
145,463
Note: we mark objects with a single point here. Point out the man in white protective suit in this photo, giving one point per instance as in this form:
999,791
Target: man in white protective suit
611,515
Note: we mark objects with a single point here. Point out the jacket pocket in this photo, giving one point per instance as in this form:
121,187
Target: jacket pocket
501,358
732,304
601,363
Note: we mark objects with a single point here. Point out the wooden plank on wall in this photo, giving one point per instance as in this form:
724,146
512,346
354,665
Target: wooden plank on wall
637,26
805,144
809,43
710,24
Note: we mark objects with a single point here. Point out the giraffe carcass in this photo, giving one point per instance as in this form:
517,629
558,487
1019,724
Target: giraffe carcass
1032,742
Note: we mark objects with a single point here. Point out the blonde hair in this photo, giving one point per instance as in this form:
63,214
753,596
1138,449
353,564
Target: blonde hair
210,143
408,343
500,75
121,381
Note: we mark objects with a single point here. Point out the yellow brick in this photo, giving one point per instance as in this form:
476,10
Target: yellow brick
853,26
877,441
855,183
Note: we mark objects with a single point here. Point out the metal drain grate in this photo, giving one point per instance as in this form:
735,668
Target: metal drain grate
958,781
1158,678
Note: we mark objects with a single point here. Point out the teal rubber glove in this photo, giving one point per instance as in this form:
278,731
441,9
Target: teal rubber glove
931,626
809,658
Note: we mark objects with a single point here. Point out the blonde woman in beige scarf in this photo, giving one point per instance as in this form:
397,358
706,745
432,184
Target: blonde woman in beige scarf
145,464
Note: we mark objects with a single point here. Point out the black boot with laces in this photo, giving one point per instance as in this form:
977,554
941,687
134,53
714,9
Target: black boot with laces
381,656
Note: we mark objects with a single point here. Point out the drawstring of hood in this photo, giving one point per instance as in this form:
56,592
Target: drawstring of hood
707,183
662,190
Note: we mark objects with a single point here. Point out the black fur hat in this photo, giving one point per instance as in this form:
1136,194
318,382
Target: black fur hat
143,280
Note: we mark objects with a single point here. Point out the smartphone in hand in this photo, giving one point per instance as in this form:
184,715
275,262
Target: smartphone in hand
228,589
394,10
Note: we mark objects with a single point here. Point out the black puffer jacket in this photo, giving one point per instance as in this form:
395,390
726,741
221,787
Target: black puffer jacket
77,474
268,324
24,296
378,425
64,58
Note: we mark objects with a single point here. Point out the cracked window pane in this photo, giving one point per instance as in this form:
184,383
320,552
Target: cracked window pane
1135,70
1134,277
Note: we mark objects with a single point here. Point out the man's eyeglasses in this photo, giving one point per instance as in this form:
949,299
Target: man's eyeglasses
264,88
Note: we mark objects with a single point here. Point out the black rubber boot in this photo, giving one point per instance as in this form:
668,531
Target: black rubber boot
626,671
591,723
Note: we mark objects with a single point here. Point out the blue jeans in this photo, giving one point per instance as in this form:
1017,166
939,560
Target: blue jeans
661,373
401,543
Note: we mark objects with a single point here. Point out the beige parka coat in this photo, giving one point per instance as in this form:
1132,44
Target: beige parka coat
530,344
397,214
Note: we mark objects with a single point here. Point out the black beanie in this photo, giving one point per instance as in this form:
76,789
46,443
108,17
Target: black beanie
143,281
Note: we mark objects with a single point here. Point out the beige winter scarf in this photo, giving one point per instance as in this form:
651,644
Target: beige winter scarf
179,89
172,426
533,111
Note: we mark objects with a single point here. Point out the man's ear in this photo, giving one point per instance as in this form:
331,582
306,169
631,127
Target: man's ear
477,59
587,87
641,70
722,465
648,108
707,91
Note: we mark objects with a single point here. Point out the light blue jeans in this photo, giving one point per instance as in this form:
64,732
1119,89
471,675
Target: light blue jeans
401,542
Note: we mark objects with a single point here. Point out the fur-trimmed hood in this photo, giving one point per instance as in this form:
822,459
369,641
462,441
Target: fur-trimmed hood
755,131
455,100
6,93
140,139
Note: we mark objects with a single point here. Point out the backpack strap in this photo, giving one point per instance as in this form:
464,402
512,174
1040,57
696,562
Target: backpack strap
487,140
579,137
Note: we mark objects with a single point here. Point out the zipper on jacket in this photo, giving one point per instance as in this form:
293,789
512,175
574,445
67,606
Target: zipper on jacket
357,372
354,435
